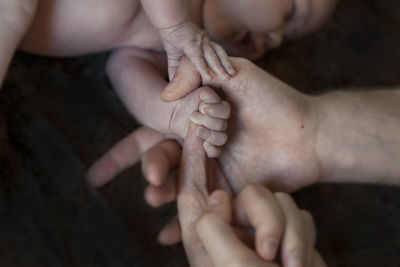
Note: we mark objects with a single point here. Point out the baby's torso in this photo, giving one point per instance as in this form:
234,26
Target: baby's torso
75,27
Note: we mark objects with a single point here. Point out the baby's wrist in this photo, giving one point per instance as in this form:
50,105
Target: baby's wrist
175,23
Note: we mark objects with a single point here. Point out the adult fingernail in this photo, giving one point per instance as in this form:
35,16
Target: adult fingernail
214,202
215,199
295,260
269,248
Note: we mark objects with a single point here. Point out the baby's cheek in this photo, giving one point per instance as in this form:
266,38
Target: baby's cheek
220,31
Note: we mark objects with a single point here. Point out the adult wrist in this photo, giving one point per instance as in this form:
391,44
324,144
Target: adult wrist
357,136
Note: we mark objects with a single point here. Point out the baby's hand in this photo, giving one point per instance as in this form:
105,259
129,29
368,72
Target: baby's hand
188,39
203,107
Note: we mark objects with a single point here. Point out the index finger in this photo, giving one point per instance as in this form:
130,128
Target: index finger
192,196
192,173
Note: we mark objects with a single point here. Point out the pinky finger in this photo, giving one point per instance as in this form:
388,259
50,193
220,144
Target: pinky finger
212,151
224,59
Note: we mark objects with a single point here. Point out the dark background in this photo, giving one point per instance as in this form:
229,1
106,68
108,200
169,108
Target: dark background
59,115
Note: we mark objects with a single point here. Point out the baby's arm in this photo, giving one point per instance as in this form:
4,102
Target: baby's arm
138,80
181,36
15,18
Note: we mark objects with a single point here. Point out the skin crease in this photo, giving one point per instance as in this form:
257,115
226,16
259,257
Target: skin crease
214,228
65,28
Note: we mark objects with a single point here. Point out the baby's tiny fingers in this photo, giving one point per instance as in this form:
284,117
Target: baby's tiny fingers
213,60
215,124
221,110
223,57
213,137
194,52
211,150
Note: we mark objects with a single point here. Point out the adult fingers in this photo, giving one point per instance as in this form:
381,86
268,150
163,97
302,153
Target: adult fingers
294,244
218,237
257,207
157,196
159,160
171,233
123,155
193,195
310,234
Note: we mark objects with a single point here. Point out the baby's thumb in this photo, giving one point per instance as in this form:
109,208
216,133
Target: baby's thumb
185,80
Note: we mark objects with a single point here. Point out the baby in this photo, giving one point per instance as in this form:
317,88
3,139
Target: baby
139,33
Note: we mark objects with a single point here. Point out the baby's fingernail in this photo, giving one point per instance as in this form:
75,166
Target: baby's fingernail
203,107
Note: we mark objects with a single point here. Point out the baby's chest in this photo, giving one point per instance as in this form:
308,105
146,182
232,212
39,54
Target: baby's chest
72,27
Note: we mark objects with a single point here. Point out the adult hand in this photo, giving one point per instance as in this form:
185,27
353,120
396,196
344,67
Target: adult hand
271,131
271,139
206,221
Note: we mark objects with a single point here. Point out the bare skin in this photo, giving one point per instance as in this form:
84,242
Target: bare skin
181,36
15,18
247,231
67,28
347,137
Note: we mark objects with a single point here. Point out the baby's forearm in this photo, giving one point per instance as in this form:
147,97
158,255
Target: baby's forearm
166,13
15,18
138,82
358,137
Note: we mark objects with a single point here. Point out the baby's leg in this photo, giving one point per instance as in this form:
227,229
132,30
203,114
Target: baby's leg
139,82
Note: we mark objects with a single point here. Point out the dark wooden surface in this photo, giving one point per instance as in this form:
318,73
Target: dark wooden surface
58,115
